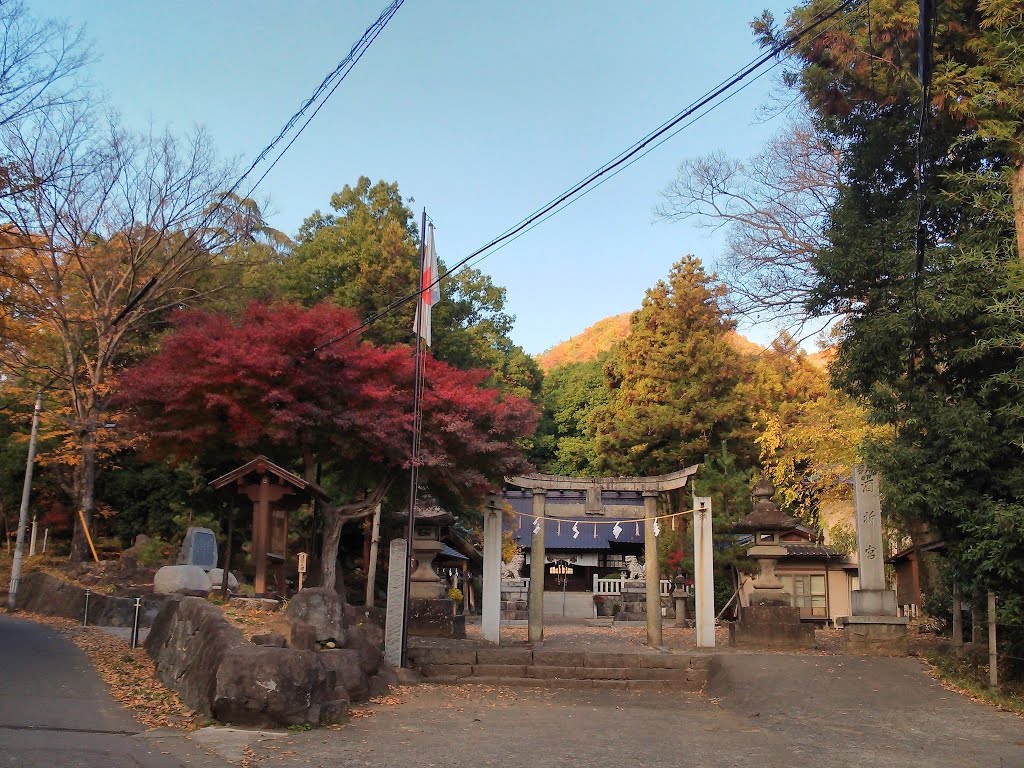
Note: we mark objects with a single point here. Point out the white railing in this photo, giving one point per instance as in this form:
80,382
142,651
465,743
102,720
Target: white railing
614,586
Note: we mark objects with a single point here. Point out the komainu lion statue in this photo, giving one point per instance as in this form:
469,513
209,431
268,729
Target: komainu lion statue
635,568
511,569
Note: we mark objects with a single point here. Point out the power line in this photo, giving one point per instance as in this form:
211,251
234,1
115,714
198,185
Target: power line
611,168
321,94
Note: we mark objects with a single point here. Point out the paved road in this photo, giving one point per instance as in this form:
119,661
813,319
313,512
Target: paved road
55,711
764,710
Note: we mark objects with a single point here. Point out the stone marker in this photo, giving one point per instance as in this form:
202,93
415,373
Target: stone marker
393,630
181,578
873,629
199,548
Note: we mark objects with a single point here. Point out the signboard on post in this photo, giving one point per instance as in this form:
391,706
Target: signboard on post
302,568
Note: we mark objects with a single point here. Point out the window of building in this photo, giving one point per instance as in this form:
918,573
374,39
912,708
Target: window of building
807,592
606,560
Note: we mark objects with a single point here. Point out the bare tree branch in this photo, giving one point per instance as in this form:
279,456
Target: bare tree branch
774,208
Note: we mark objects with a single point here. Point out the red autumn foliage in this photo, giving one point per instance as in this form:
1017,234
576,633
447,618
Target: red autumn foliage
225,386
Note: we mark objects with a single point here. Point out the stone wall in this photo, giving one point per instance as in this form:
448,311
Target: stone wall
514,600
40,592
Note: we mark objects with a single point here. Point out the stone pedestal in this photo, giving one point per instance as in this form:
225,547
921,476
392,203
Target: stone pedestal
515,596
435,618
773,626
634,601
876,635
873,602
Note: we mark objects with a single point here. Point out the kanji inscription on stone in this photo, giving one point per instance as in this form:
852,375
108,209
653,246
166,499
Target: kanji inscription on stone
868,505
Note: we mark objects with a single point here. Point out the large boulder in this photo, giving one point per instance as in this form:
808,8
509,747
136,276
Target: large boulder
207,661
181,578
266,687
369,652
188,643
347,666
323,609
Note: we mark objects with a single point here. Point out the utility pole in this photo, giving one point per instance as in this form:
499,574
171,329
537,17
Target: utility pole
23,517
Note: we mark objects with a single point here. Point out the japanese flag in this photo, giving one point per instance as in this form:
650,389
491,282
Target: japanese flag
430,289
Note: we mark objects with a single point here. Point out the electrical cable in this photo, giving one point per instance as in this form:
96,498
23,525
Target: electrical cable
327,86
641,147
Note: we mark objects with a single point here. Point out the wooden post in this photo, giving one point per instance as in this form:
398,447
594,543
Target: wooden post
958,624
227,554
993,663
260,523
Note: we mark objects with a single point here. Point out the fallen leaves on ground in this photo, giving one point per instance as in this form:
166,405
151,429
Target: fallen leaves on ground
129,673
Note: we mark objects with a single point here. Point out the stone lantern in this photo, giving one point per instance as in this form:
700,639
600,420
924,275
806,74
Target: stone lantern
769,621
767,523
431,611
428,528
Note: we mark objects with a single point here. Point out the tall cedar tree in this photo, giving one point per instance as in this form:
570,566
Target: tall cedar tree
223,388
674,381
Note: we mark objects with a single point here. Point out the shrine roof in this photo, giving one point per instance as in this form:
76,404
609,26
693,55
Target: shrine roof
261,465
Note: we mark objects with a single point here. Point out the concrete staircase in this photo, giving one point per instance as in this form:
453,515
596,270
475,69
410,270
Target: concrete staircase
561,669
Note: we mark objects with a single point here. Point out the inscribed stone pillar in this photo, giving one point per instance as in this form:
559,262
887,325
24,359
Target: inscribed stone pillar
651,566
868,506
872,598
393,631
537,558
490,620
703,573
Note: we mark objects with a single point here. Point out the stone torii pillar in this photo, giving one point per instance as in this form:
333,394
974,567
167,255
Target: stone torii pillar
651,569
490,618
537,558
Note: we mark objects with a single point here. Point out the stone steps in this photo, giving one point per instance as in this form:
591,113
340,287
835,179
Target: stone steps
561,669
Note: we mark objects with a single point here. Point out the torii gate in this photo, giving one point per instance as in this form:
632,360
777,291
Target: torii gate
649,488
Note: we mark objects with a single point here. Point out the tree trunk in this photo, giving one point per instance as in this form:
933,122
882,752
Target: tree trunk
333,523
80,550
1017,189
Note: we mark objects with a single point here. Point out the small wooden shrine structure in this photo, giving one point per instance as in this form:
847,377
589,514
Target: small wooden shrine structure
273,491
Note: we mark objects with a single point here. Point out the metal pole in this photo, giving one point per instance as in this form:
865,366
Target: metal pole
46,533
993,663
413,472
85,614
135,623
32,538
26,490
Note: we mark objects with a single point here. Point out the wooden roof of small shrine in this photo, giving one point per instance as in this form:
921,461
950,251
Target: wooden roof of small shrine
261,465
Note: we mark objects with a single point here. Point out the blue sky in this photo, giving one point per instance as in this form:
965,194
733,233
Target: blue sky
480,111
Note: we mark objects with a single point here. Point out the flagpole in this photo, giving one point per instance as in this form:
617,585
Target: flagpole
414,469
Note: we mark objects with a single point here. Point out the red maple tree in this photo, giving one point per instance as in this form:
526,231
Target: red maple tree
221,387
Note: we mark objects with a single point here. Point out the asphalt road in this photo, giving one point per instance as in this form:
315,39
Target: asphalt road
55,711
763,710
